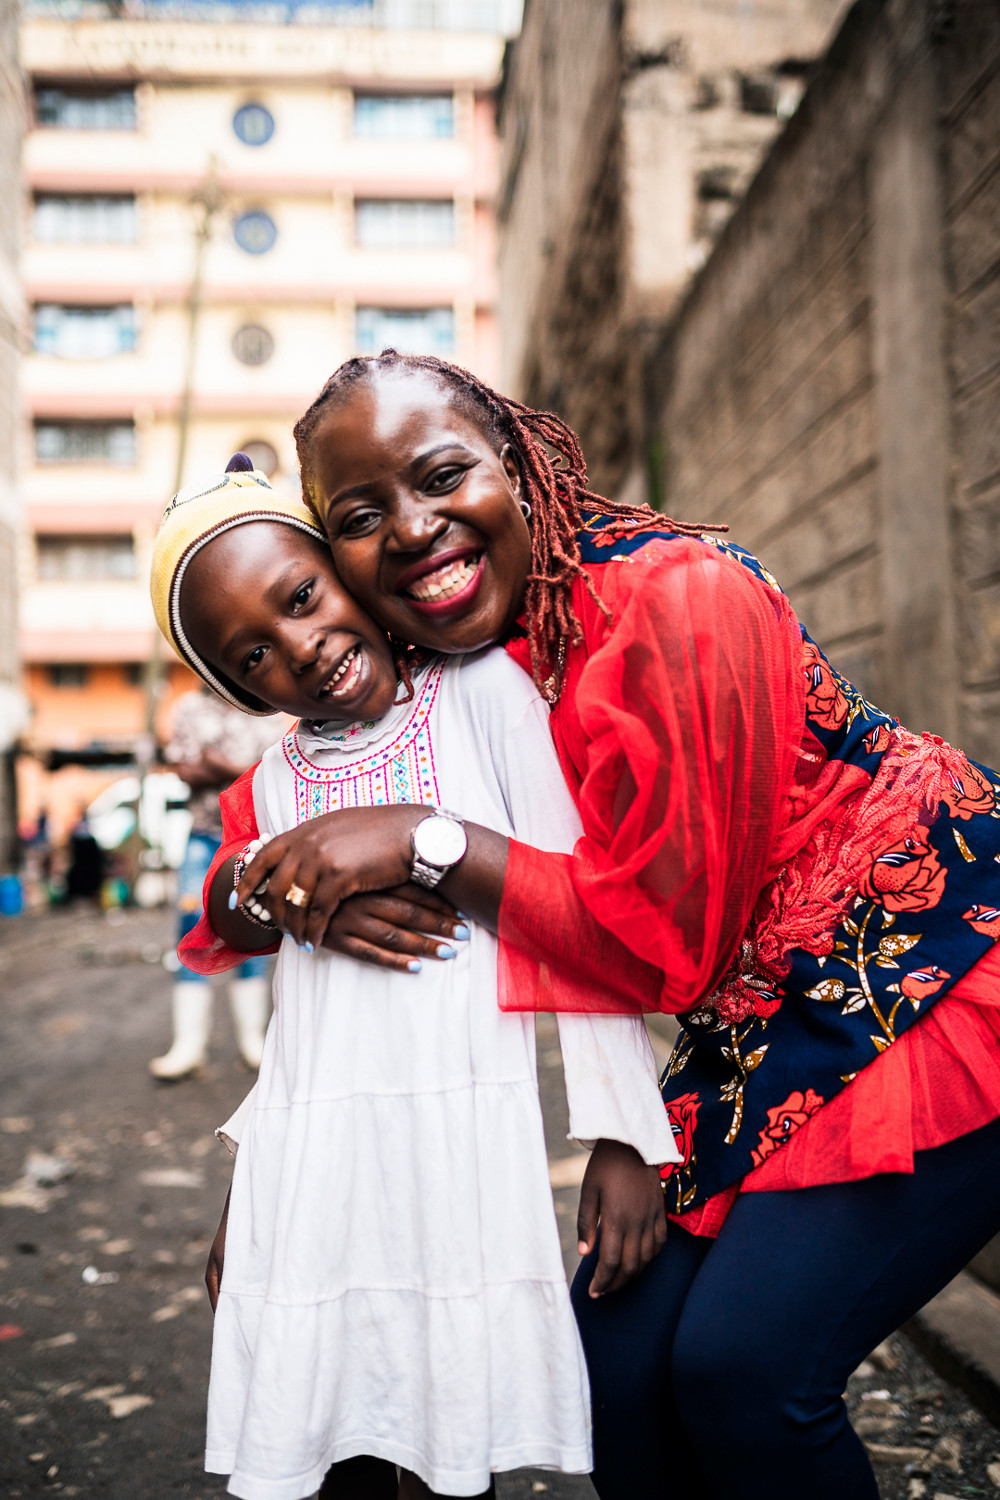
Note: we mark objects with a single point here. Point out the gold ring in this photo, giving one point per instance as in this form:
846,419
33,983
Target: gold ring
296,896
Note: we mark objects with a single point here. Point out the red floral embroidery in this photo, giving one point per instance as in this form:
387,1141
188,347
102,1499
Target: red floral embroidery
606,538
784,1120
683,1115
985,919
921,982
905,877
825,702
878,740
969,793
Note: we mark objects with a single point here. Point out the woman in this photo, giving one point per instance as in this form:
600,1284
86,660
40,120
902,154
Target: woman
764,852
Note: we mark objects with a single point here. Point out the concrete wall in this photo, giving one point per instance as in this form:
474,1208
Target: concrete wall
831,387
11,315
628,139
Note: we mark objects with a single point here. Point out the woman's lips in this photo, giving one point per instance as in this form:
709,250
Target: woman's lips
449,589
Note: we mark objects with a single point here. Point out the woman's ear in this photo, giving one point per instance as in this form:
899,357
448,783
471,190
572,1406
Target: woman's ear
511,468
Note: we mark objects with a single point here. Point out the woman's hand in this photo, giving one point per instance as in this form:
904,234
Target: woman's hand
216,1257
331,858
395,929
624,1196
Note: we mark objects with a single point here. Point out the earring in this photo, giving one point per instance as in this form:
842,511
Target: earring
525,509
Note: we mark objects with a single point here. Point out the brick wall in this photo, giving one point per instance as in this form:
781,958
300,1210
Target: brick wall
831,386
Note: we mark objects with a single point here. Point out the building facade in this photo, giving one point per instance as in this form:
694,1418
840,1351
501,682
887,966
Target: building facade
630,130
218,214
12,704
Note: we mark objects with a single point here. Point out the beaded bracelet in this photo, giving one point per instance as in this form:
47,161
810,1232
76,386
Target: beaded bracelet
251,908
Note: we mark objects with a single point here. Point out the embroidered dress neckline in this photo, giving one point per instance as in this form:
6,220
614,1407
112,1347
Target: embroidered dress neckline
391,735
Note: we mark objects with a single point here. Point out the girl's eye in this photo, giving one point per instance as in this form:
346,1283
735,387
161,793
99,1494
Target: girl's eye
302,595
253,659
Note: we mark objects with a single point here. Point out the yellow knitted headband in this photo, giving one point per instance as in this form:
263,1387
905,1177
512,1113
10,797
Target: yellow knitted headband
195,515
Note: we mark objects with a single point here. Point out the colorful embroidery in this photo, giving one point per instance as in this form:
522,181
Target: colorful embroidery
402,771
886,908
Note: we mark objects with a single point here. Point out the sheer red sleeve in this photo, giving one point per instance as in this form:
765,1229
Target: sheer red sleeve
202,950
678,732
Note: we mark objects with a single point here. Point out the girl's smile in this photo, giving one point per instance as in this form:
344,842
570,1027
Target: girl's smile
263,604
422,513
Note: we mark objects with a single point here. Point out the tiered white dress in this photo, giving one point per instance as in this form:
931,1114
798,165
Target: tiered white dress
393,1282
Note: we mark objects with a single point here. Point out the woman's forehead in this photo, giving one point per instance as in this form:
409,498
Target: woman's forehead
393,410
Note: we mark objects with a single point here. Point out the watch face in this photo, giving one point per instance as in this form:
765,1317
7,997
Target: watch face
440,841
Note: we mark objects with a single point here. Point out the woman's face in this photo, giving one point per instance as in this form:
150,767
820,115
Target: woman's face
262,604
422,515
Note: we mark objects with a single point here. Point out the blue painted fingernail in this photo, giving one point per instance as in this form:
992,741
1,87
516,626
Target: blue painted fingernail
233,899
414,966
444,951
309,947
462,916
462,934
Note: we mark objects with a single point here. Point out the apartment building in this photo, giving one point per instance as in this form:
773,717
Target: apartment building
218,213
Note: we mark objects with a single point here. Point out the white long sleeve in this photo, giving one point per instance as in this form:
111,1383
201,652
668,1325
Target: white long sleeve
611,1077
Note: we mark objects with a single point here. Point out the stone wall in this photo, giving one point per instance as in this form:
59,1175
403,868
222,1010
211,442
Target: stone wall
831,386
11,322
630,129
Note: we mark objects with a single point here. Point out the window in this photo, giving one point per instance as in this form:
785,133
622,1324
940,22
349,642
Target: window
404,223
85,109
404,117
84,332
253,124
76,559
93,219
252,344
426,330
262,456
255,232
69,674
85,442
134,673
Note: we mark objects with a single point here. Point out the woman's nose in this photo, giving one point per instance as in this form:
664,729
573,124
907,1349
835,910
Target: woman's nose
415,523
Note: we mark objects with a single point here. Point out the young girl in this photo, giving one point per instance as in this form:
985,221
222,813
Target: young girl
393,1284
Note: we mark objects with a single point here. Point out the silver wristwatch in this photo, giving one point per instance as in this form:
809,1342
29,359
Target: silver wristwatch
439,841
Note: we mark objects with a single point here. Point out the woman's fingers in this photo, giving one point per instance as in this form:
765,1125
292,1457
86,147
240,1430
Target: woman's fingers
260,868
368,953
400,909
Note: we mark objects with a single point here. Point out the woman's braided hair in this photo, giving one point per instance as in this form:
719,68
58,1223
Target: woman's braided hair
553,481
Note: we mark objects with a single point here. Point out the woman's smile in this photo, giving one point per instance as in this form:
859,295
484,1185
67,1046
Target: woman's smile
422,513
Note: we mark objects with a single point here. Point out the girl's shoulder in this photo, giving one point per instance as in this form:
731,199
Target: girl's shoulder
490,686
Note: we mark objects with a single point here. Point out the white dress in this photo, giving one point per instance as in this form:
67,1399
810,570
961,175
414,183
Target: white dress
393,1281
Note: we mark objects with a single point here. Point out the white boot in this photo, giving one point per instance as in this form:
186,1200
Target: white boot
192,1010
250,1000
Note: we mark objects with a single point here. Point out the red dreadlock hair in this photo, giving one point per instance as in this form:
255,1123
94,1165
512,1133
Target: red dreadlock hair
554,483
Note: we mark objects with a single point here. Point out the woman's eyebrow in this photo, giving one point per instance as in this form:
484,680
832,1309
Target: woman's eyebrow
367,485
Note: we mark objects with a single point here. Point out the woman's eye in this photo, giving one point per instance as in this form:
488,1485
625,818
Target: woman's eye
359,523
445,479
254,659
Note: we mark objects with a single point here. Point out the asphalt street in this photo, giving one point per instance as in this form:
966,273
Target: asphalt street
111,1187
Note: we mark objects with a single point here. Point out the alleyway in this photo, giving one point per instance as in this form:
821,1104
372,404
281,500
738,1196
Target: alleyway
104,1322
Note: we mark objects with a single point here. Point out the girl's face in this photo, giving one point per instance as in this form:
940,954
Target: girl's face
422,514
262,604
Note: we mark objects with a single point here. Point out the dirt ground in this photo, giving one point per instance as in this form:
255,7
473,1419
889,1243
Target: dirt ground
104,1322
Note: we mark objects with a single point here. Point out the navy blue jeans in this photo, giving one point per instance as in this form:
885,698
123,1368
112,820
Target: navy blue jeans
719,1373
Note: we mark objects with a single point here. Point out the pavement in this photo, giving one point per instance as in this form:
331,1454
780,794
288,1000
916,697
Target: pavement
111,1187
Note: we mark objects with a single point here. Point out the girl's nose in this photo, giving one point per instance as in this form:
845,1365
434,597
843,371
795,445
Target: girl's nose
302,646
415,523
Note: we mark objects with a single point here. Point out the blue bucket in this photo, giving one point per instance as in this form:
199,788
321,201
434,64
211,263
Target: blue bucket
11,896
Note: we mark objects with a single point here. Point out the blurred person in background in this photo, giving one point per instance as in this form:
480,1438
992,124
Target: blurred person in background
211,745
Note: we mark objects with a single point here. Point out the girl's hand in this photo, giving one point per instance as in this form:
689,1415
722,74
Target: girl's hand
395,929
624,1196
216,1257
331,858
